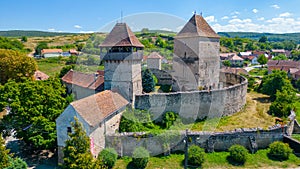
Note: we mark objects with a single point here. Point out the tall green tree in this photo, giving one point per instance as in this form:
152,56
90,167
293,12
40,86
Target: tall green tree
34,107
40,47
262,59
147,81
4,156
15,65
283,103
274,82
263,39
77,153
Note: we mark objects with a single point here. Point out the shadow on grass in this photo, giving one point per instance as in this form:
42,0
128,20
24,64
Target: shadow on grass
275,157
234,163
189,166
263,99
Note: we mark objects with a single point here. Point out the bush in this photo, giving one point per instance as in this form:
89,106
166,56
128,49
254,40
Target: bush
166,88
238,154
195,155
140,157
279,151
108,157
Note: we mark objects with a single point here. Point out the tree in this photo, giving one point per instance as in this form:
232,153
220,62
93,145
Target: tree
108,157
140,157
279,151
283,103
263,39
4,156
238,154
77,153
65,70
280,57
24,39
195,155
15,65
34,107
226,63
275,81
147,81
40,47
262,59
17,163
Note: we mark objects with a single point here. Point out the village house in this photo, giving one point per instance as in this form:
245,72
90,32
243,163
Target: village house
82,84
100,114
38,75
154,61
236,61
46,53
288,66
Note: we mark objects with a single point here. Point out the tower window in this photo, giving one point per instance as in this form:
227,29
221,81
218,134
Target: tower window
69,129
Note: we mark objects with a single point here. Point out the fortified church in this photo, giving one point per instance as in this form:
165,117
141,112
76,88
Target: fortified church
196,65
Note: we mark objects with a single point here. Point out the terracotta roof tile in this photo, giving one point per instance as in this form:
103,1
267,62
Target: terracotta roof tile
197,26
83,80
38,75
51,51
94,109
121,35
155,55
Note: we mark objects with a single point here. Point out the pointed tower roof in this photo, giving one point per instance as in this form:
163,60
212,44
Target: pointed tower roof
121,36
197,26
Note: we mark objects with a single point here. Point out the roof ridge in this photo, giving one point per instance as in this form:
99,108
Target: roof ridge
127,31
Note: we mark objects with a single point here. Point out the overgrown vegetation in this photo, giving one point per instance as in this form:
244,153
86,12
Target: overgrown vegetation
238,154
140,157
279,151
195,156
108,157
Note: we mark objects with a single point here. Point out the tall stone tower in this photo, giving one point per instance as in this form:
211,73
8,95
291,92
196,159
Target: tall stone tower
122,54
196,61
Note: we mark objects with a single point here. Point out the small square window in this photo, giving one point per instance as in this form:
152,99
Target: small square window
69,129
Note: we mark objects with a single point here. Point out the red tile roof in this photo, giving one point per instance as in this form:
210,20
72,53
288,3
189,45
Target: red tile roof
122,36
155,55
51,51
38,75
94,109
91,81
197,26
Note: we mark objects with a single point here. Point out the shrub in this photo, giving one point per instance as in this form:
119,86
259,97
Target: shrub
195,155
238,154
279,151
108,157
140,157
166,88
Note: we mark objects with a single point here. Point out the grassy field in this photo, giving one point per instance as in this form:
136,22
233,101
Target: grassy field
259,72
214,160
253,115
296,136
297,107
50,69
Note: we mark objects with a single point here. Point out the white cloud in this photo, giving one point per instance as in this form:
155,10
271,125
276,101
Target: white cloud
225,17
274,25
210,19
275,6
239,21
51,29
166,29
286,14
77,26
261,19
234,17
254,10
235,13
86,31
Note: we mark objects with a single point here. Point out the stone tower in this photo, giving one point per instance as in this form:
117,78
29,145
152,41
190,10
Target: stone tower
122,54
196,61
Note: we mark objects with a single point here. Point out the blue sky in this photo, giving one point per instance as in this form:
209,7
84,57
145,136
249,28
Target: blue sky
274,16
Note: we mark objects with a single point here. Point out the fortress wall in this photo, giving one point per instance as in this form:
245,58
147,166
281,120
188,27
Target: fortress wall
198,104
125,143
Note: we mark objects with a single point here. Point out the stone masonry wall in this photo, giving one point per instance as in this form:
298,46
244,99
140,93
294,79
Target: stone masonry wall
198,104
252,139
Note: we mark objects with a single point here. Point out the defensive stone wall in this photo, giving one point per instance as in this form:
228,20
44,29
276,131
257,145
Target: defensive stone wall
192,105
253,139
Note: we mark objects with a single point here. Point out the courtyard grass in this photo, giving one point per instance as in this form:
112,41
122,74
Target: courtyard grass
296,137
259,72
214,160
253,115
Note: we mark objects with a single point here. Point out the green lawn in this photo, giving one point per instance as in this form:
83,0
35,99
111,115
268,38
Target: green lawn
297,107
50,68
214,160
296,136
259,72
